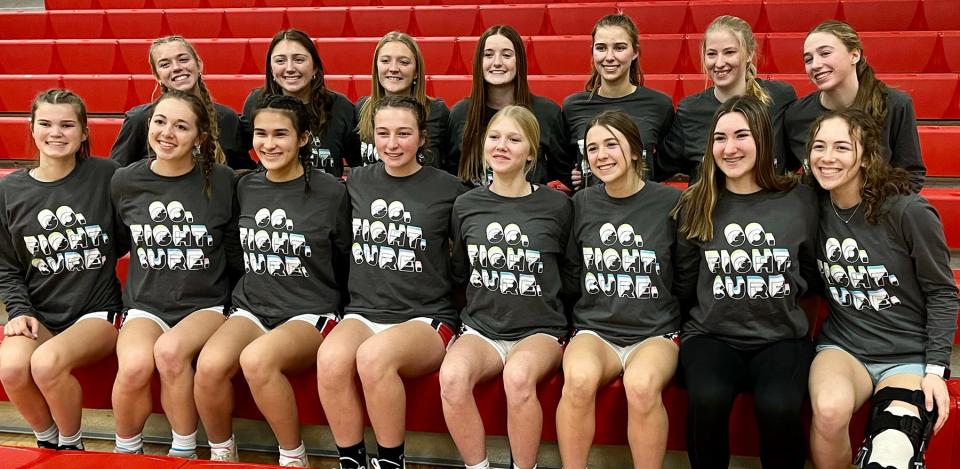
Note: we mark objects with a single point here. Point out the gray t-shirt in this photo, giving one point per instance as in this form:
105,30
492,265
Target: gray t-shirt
622,249
438,120
400,256
179,238
746,280
59,243
294,244
511,251
889,286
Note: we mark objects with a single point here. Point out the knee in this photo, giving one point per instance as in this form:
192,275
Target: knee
257,366
831,414
212,370
170,356
777,409
334,368
47,366
710,396
15,374
134,373
519,385
373,364
643,393
455,386
579,387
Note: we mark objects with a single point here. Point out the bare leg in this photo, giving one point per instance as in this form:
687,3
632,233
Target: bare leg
15,354
174,353
81,344
218,362
529,362
588,363
469,361
132,401
290,347
336,381
839,385
406,350
649,369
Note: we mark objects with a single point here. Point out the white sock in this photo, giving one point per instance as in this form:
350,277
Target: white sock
515,466
892,448
134,444
183,446
49,435
225,447
75,440
289,455
485,464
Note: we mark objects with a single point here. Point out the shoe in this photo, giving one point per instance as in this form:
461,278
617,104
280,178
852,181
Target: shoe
181,453
76,447
120,451
376,463
295,462
47,444
225,455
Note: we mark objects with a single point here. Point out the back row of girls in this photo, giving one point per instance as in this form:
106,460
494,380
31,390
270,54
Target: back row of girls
833,55
523,250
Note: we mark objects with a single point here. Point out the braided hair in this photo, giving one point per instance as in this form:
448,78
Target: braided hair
207,152
299,116
748,47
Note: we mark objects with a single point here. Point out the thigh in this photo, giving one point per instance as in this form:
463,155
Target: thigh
229,340
414,348
538,355
837,376
191,333
711,365
655,358
292,346
590,355
474,359
783,367
137,337
83,343
343,341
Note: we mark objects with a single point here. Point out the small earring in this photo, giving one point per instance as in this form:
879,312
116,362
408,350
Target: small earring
414,84
196,151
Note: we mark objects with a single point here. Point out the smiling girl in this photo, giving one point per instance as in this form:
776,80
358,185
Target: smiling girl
281,309
616,82
746,331
294,69
728,54
514,322
837,64
60,243
398,70
894,345
176,66
179,209
500,80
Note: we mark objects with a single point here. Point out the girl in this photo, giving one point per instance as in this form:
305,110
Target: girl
398,70
178,207
176,66
835,62
60,245
294,69
728,54
513,321
500,80
898,339
745,254
399,319
631,329
281,308
617,83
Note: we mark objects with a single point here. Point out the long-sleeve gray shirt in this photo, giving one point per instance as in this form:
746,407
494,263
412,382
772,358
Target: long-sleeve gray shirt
59,243
622,250
181,240
294,244
889,286
747,278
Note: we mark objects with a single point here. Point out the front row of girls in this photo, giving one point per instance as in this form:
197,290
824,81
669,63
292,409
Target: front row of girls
632,257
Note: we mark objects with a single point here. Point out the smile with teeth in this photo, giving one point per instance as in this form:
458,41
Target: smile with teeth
828,171
732,159
606,166
181,77
820,76
721,73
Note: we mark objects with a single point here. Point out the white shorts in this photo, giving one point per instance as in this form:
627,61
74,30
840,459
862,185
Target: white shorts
502,347
443,329
139,313
115,318
323,322
624,352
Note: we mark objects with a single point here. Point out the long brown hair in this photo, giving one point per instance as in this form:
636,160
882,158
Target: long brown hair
59,96
748,47
205,98
880,179
621,121
207,151
297,112
698,201
321,101
871,92
623,21
471,155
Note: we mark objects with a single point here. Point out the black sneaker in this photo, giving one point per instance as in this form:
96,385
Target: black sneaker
47,444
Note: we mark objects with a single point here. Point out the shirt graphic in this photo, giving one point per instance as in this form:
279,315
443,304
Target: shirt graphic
173,242
273,248
507,264
388,241
620,267
752,268
852,281
67,242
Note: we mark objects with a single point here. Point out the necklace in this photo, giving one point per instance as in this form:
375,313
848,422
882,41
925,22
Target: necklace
837,212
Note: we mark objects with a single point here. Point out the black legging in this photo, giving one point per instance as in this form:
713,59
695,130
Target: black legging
715,373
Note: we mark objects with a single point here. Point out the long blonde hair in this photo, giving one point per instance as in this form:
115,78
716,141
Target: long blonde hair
748,47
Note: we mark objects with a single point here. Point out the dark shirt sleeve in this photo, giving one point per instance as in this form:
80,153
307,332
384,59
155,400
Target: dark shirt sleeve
342,239
670,157
13,288
459,263
231,240
562,159
904,141
571,270
665,124
351,137
131,142
923,233
687,268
